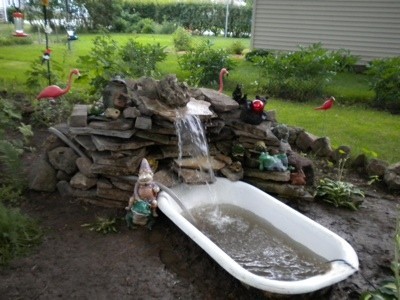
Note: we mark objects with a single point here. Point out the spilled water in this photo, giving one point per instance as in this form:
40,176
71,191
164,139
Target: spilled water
256,245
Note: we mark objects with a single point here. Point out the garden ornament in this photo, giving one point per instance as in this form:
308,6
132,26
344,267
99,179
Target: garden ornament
224,72
142,207
327,104
53,91
275,162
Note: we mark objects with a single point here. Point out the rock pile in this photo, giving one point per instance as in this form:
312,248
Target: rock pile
95,157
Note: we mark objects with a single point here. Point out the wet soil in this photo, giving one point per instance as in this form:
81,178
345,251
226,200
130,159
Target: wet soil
163,263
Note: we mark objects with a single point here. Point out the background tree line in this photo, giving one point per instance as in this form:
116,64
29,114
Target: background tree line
141,16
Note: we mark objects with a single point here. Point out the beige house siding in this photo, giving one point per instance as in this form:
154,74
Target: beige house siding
368,28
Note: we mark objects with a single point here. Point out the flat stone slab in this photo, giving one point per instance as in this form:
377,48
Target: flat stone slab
113,133
268,175
201,162
120,124
219,102
115,144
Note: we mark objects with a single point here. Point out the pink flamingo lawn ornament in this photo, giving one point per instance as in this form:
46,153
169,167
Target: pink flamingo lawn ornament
53,91
222,73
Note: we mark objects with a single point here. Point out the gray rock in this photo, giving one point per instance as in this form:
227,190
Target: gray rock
376,167
63,158
392,177
131,113
42,176
173,93
84,164
144,123
82,182
305,140
78,116
322,147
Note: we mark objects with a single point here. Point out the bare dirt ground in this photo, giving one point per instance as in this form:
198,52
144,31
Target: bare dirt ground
75,263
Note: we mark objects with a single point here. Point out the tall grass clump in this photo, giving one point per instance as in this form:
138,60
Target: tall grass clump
300,75
385,82
18,234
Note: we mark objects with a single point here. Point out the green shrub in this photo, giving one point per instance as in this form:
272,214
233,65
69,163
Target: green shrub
102,63
236,48
204,63
107,59
385,81
141,60
18,234
345,61
182,39
250,56
166,27
47,114
300,75
146,26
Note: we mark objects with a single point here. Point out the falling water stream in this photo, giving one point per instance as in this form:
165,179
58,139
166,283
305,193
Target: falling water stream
250,240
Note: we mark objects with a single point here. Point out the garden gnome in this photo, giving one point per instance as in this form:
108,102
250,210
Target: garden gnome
143,203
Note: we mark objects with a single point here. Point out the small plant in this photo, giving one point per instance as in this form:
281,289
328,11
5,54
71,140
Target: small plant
47,114
389,289
103,225
18,234
338,192
236,48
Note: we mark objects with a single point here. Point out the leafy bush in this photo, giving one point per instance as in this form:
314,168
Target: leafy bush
141,60
250,56
385,82
236,48
47,114
345,61
146,25
299,75
18,234
11,149
203,62
166,27
182,39
107,59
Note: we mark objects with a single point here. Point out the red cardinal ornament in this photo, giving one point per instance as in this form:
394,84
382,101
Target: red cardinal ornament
327,104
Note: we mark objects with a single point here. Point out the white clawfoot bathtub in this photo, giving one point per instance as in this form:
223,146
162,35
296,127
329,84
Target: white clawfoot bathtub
323,242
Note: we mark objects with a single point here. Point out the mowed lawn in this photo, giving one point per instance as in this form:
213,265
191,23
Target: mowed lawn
364,130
